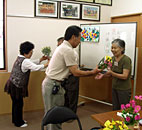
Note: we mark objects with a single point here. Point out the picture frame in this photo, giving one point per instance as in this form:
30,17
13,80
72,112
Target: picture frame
69,10
46,8
90,12
104,2
88,1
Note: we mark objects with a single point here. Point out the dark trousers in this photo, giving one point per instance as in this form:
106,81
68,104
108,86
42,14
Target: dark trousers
17,111
71,92
120,97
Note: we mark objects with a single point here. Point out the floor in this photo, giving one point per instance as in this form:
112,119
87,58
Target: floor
34,118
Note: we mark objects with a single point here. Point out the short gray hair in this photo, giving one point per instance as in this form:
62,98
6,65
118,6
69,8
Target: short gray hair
120,43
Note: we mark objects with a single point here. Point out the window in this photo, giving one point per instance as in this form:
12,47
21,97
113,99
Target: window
2,36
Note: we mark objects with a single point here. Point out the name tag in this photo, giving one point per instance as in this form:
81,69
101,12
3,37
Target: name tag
115,63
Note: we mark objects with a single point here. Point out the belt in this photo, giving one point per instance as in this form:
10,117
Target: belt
54,80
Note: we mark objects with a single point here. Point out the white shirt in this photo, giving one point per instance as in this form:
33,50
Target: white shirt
63,57
28,64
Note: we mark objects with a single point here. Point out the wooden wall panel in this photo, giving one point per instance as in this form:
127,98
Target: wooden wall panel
96,89
33,102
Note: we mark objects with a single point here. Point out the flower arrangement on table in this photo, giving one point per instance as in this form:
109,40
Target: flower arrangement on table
130,112
105,62
46,50
115,125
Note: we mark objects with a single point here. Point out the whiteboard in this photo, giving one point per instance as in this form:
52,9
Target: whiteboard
92,52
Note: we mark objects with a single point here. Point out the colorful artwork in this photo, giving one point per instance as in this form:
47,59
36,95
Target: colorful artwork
46,8
90,34
70,10
91,12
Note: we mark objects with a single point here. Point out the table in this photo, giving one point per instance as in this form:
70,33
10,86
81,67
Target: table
103,117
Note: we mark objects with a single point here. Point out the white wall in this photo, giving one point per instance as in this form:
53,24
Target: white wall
22,26
125,7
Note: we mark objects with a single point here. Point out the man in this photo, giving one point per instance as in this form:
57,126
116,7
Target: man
60,41
71,85
62,63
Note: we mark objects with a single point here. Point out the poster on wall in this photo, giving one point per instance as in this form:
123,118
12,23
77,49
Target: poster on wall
90,12
90,34
2,65
47,8
69,10
91,1
104,2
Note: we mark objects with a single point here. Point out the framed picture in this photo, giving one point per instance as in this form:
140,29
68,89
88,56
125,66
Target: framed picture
104,2
90,1
46,8
91,12
90,33
69,10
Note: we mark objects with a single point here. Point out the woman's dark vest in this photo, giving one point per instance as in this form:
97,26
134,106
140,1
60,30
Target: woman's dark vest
17,77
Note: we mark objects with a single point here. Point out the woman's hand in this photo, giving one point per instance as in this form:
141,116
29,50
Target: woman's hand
99,76
44,58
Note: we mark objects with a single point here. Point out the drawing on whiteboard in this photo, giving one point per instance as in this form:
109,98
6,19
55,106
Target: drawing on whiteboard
90,34
110,37
107,44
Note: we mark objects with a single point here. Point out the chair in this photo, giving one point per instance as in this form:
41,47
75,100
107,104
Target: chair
59,114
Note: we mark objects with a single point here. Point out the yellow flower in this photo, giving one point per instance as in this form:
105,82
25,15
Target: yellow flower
113,123
107,123
125,126
106,129
110,126
120,127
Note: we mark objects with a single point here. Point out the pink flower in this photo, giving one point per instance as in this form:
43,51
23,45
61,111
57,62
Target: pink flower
137,117
110,64
137,97
133,103
128,118
137,108
140,97
122,106
127,105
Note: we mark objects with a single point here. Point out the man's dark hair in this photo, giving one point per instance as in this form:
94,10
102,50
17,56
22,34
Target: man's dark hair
60,38
72,30
26,47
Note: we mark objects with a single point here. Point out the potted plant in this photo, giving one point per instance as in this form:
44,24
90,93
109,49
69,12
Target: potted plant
130,112
46,50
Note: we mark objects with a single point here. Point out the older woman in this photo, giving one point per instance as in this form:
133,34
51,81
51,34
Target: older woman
121,75
17,84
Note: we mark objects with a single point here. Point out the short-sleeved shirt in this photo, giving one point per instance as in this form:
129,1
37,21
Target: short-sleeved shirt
63,57
117,67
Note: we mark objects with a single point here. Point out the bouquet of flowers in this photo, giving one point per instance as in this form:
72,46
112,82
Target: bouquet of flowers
105,62
130,112
115,125
46,51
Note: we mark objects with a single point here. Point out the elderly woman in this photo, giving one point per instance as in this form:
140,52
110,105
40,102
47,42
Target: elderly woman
17,84
121,75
